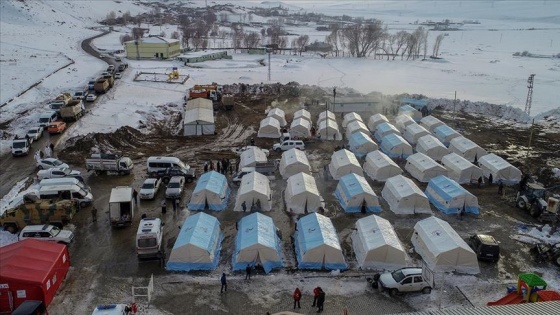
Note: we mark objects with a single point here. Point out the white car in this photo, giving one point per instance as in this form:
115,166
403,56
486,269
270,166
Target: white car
35,133
288,144
91,97
175,187
150,188
57,173
45,164
118,75
243,149
48,233
404,280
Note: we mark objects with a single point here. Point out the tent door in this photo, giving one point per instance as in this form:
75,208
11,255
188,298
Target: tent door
6,300
206,203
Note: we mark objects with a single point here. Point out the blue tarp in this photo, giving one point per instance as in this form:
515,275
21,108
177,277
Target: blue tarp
392,140
211,191
352,186
317,245
448,196
418,104
257,242
198,244
382,128
442,132
356,141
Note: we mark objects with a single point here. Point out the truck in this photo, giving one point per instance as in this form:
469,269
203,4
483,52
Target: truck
212,92
540,202
121,206
64,97
72,111
38,211
101,86
109,164
228,101
198,94
110,78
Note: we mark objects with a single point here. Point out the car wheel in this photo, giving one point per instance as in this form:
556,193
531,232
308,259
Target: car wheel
558,260
278,150
393,292
165,180
83,204
521,204
427,290
189,179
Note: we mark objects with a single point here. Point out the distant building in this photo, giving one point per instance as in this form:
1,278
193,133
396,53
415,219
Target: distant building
200,56
416,103
354,104
152,47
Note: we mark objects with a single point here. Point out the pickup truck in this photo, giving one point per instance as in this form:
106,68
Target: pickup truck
166,174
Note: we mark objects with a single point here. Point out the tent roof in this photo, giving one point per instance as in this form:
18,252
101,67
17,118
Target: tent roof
456,162
430,122
423,162
444,131
316,230
447,188
252,155
301,121
403,120
276,112
29,260
360,138
493,161
429,142
302,113
377,232
328,114
376,118
352,116
211,181
418,103
344,157
463,144
403,187
332,124
254,181
407,108
439,236
294,156
353,185
256,229
270,121
199,230
356,125
415,129
392,140
302,182
385,127
379,159
199,103
198,115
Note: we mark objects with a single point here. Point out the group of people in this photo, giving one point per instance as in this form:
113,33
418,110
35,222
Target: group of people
318,298
175,202
46,152
255,206
221,166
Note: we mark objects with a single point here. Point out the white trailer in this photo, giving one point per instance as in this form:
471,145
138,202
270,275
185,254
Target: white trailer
121,206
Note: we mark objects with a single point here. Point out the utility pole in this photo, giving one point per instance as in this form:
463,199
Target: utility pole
454,104
529,94
269,63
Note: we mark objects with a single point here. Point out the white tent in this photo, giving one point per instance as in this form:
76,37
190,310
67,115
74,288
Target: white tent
198,121
199,103
324,115
430,123
350,117
198,244
301,128
254,189
466,148
380,167
445,134
395,146
344,162
317,245
403,120
432,147
460,170
360,143
269,128
302,113
251,157
404,197
413,132
355,195
292,162
411,111
423,167
377,245
328,130
375,120
448,196
500,169
279,115
301,194
211,192
355,126
256,242
384,129
442,249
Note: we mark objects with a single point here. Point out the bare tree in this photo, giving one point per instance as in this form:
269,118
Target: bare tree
111,18
125,38
223,17
137,32
363,39
175,35
400,40
334,39
187,30
162,34
437,44
282,42
238,35
126,17
223,35
251,40
301,42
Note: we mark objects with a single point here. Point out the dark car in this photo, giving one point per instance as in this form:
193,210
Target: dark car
169,172
485,246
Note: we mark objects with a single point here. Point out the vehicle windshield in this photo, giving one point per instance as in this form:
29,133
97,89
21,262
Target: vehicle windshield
65,170
147,242
539,193
18,145
33,131
55,231
82,192
173,185
56,106
148,186
398,275
56,163
43,120
182,165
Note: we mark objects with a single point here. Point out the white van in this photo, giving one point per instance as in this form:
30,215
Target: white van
67,192
64,181
47,118
149,238
161,163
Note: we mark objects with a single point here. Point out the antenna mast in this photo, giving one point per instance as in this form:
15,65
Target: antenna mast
529,94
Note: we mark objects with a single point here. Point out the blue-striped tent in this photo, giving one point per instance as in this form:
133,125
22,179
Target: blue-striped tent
448,196
211,192
354,193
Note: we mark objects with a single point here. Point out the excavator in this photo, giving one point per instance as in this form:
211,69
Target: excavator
539,201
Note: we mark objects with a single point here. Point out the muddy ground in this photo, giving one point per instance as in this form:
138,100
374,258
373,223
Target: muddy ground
104,260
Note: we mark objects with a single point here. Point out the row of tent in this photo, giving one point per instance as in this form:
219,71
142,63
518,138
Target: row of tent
301,126
317,246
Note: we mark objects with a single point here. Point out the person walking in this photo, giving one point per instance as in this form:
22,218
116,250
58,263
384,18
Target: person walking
224,283
459,214
163,206
316,292
490,179
244,206
174,205
500,187
178,203
51,146
320,300
93,214
218,166
211,165
205,167
480,182
297,297
41,154
248,272
135,195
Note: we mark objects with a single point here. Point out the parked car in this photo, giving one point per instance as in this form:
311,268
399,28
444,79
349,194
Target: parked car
35,133
485,246
175,187
57,173
150,188
170,172
45,164
91,85
404,280
46,232
111,68
80,94
288,144
91,97
118,75
121,67
118,59
56,127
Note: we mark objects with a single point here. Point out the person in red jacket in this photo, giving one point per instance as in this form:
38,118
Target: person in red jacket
316,292
297,297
